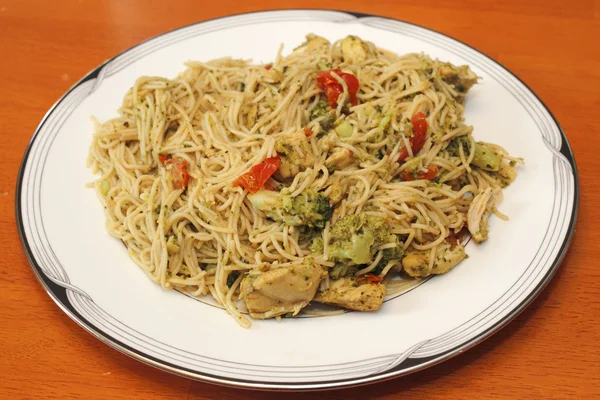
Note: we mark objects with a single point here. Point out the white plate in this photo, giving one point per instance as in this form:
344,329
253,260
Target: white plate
91,277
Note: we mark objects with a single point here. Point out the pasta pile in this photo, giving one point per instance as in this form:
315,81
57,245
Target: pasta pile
309,179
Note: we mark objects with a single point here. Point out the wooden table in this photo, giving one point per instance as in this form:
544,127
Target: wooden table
551,351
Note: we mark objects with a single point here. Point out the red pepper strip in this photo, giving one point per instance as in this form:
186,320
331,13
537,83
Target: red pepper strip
419,123
332,88
429,175
180,174
177,168
258,175
308,132
369,278
163,159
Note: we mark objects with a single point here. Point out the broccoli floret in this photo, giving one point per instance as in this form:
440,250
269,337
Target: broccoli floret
316,246
342,270
354,239
453,146
309,208
484,157
306,234
312,207
322,109
395,253
353,242
350,243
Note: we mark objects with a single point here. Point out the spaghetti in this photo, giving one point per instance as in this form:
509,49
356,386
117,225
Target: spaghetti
308,179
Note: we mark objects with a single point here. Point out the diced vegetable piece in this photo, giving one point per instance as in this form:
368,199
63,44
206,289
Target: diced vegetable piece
429,175
256,178
177,168
104,187
327,83
485,158
344,129
419,123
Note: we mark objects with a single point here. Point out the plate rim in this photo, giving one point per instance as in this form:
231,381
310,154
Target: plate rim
55,291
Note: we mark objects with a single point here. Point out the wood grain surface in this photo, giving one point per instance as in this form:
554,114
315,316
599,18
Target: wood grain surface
551,351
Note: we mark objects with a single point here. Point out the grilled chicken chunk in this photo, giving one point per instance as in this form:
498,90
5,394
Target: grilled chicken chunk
281,290
448,259
479,212
355,50
339,158
296,154
416,263
349,293
313,44
461,77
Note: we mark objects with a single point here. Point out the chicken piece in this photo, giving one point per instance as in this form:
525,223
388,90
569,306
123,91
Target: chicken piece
507,173
479,212
349,293
461,77
296,154
273,75
355,50
313,44
228,62
448,259
328,141
370,73
339,158
280,291
335,193
416,264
